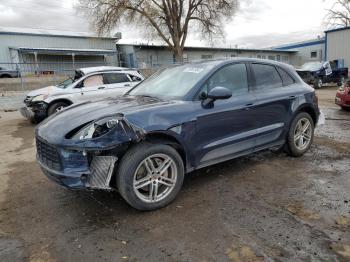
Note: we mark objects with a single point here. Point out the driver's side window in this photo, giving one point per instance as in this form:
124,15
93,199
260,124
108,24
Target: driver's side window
233,77
92,81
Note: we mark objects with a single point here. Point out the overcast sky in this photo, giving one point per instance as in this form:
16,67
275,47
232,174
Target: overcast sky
259,23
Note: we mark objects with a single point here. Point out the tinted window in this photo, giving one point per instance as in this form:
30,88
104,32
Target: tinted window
266,76
233,77
115,78
286,78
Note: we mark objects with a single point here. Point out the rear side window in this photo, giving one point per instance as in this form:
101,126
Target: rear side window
266,76
286,78
115,78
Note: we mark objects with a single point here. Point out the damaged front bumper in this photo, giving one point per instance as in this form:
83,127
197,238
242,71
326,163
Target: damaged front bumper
34,111
77,170
85,164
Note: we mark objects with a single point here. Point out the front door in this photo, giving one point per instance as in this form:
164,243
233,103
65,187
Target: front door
92,87
226,129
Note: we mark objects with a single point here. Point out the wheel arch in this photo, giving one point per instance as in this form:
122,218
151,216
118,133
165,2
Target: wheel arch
307,109
5,76
171,140
64,100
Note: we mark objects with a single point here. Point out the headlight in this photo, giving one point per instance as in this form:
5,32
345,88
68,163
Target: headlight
39,98
97,129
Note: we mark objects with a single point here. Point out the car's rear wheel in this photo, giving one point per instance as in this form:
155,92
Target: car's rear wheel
56,107
345,108
318,83
301,134
150,176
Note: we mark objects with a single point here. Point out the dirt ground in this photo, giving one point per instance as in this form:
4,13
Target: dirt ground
264,207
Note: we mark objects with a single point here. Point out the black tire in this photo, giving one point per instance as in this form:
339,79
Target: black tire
55,106
318,83
341,81
128,166
291,146
345,108
5,76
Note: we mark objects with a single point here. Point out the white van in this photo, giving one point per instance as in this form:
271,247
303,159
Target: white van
88,84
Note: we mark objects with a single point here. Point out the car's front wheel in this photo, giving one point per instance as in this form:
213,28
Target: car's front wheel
56,107
301,134
150,175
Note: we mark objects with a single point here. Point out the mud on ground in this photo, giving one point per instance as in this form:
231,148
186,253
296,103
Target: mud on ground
264,207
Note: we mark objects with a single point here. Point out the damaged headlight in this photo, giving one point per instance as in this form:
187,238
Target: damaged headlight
39,98
97,128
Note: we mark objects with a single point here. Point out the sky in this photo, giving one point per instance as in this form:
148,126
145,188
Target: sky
257,24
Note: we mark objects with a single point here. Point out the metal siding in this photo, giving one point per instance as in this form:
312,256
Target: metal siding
38,41
338,45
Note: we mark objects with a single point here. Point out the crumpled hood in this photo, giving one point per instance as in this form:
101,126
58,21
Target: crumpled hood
56,127
49,90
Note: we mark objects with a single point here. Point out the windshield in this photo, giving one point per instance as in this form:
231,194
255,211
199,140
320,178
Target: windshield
65,83
174,82
313,66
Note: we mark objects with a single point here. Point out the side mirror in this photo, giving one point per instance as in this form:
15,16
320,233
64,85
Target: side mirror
216,93
219,92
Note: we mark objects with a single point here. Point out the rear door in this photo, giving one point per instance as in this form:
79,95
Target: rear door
117,83
275,93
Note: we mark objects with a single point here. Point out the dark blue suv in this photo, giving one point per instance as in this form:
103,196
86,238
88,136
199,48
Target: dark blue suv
181,119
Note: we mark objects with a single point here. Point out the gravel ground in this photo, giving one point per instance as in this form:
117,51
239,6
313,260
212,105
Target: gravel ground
263,207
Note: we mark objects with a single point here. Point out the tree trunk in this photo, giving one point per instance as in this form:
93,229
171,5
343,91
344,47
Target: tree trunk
178,52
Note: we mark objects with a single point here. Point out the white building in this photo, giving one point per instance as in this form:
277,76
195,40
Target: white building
52,50
150,56
337,46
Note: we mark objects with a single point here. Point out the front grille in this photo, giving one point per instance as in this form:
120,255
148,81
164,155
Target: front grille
48,155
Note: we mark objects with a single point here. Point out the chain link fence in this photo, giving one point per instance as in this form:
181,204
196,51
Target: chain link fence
17,79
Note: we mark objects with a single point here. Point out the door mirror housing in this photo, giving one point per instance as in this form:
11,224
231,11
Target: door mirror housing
219,92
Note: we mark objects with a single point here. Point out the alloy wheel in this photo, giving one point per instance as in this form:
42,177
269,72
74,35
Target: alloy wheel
155,178
303,134
58,109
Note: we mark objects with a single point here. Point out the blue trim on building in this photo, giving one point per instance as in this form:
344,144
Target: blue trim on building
318,42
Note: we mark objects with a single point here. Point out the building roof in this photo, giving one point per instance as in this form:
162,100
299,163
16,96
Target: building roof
40,50
200,48
311,42
337,29
48,32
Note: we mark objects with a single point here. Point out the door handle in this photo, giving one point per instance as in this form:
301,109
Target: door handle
292,97
127,85
101,87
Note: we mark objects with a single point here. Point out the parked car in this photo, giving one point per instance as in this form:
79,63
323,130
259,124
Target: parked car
342,97
317,73
88,84
7,73
181,119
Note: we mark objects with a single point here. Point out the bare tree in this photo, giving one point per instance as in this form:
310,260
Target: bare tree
339,14
170,20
